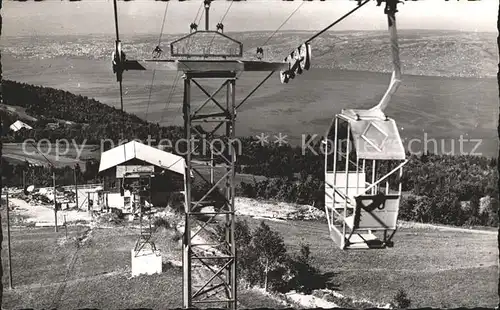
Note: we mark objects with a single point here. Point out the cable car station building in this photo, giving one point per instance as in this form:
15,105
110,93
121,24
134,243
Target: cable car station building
137,174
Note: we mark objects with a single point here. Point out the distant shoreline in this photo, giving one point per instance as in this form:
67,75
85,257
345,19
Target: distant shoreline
296,31
444,107
423,52
6,57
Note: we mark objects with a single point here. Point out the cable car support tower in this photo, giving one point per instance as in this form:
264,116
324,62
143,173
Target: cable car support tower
206,55
212,55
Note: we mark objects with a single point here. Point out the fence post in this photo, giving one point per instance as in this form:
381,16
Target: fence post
9,249
55,200
65,226
76,189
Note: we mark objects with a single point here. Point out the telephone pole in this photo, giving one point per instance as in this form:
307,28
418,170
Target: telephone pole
55,200
76,188
9,249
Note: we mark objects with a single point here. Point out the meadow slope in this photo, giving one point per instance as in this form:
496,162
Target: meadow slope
50,270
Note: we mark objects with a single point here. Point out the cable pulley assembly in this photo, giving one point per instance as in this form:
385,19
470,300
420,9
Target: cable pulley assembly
157,52
220,27
298,61
260,53
300,58
118,59
390,5
193,27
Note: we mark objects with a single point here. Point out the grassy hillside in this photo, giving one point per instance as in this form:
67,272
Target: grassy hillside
50,271
422,262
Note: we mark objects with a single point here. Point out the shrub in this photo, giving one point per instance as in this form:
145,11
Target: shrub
177,236
401,300
161,222
263,260
406,208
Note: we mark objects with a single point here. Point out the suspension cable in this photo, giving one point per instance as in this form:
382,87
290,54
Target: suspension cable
158,51
163,23
308,41
282,24
201,15
150,92
36,148
199,10
196,20
220,22
170,96
337,21
227,11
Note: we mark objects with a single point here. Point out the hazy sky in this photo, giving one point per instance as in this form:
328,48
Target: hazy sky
145,16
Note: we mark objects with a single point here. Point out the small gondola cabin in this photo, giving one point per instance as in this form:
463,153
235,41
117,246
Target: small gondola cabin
364,159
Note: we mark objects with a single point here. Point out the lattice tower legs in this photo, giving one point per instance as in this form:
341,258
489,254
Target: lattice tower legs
209,258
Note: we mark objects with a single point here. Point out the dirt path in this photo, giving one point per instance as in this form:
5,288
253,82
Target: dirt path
404,224
45,215
58,284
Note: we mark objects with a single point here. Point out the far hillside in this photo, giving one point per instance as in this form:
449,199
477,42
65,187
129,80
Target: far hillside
423,52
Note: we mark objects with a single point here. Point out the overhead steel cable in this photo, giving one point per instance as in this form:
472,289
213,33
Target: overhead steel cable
337,21
118,68
43,155
199,10
308,41
163,24
201,15
170,95
220,23
227,11
150,92
196,20
157,50
282,24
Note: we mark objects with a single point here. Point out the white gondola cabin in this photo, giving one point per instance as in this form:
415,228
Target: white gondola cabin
364,159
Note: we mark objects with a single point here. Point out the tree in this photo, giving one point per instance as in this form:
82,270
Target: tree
303,272
246,255
271,248
401,300
406,208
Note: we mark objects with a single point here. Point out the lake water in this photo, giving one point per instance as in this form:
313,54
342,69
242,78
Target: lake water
460,114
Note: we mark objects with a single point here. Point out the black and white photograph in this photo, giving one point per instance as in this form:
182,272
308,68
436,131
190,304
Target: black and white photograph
247,154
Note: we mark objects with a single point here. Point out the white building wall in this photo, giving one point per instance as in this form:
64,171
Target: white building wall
115,200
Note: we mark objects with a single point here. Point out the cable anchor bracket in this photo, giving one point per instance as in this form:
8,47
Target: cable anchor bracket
118,60
157,52
390,6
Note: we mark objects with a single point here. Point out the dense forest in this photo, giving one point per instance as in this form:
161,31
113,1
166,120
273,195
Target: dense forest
457,190
93,120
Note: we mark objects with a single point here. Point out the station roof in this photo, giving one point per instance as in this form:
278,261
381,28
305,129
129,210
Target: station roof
146,153
375,135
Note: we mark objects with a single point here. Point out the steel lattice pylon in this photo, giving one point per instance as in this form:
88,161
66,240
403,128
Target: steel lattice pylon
217,258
